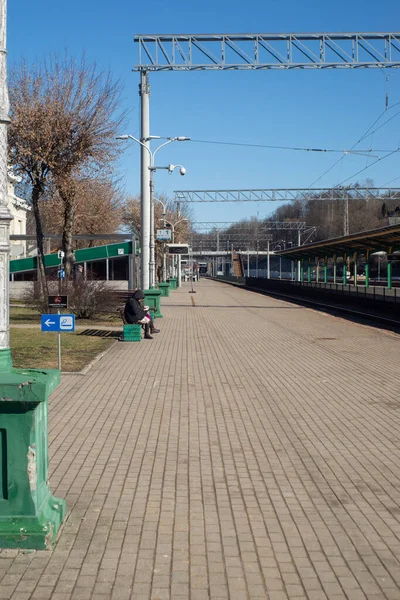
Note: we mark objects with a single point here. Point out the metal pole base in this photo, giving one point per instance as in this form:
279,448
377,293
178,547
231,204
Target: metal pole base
30,516
34,533
5,359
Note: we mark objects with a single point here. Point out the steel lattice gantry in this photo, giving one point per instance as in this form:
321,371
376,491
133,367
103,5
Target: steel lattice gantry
287,194
245,52
224,225
249,51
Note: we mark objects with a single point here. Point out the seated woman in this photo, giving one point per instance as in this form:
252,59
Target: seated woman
135,313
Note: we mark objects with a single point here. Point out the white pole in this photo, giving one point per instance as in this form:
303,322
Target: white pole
59,345
152,271
257,261
179,283
5,215
144,92
298,262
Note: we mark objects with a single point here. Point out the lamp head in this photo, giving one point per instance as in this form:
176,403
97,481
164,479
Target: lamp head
122,137
182,171
182,138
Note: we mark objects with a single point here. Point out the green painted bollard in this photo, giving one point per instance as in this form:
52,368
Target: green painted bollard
29,515
164,288
152,300
173,283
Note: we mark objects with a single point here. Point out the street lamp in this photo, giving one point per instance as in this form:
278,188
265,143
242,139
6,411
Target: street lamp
147,212
173,225
163,215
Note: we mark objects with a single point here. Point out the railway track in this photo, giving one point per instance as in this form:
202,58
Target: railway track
360,315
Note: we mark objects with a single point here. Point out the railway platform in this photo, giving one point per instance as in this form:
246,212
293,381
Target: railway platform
251,450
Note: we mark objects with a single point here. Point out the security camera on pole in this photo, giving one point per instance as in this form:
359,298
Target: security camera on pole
147,216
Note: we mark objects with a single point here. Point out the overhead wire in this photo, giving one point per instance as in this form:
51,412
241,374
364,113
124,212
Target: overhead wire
368,166
363,136
296,148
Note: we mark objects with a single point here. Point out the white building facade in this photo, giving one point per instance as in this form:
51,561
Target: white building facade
18,209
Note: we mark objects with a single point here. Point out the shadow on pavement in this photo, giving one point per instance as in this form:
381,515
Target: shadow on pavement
101,333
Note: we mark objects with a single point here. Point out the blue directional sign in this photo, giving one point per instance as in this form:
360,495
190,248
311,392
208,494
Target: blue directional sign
58,322
61,274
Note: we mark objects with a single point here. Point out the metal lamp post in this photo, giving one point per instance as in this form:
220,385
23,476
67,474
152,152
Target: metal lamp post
173,225
170,169
147,203
164,214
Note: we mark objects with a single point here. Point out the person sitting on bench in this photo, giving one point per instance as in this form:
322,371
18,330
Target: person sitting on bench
135,313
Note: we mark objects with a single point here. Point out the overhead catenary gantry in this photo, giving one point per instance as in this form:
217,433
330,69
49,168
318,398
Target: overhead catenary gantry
188,52
250,51
245,225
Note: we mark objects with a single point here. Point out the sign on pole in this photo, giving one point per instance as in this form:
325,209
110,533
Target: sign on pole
58,301
58,323
178,249
164,235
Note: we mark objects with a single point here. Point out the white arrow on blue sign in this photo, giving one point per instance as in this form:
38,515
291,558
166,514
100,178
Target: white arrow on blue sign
58,322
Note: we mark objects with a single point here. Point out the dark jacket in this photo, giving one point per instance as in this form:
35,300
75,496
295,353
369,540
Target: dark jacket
133,312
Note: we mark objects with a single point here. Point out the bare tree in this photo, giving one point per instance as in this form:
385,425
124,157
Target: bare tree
64,120
98,209
131,219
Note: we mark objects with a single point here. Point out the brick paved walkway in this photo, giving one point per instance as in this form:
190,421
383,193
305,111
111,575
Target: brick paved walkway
250,451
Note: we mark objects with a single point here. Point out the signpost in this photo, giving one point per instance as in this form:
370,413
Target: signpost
164,235
178,248
57,301
58,323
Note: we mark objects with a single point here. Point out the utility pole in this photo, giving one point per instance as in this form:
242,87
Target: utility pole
144,93
5,215
346,215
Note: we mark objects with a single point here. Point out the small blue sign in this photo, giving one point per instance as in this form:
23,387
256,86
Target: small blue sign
58,322
61,274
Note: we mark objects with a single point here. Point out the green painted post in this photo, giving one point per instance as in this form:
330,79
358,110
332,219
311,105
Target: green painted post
152,299
29,515
389,275
164,288
326,272
344,269
367,269
173,283
5,359
308,272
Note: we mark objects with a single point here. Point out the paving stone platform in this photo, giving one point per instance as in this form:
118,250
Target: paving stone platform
250,451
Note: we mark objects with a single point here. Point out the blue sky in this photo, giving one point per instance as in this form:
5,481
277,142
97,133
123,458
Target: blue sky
324,109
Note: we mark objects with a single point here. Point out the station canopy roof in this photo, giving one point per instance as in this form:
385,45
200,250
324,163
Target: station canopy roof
386,239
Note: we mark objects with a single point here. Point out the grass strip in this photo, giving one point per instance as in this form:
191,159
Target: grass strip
33,349
26,315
